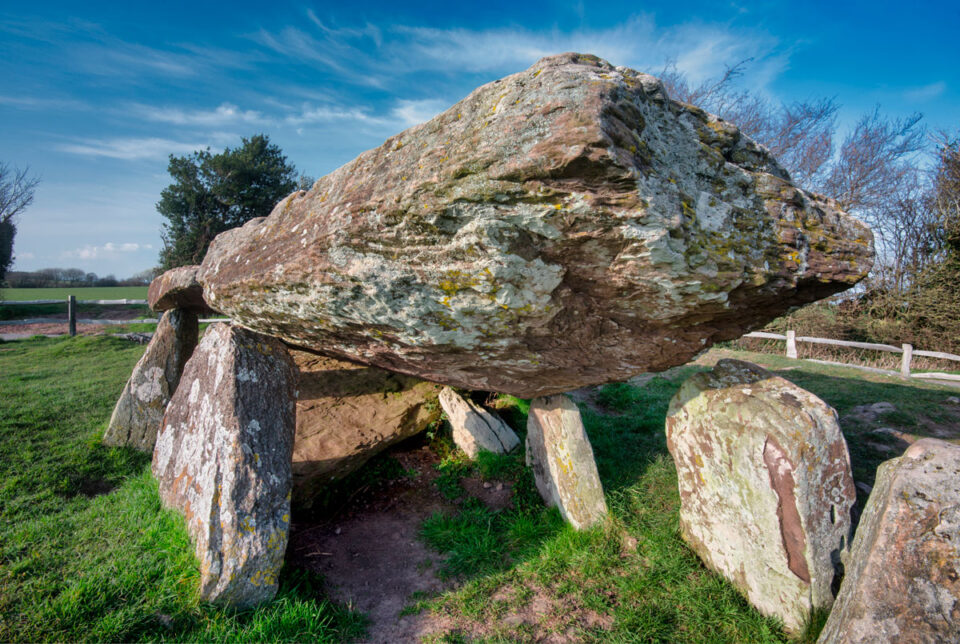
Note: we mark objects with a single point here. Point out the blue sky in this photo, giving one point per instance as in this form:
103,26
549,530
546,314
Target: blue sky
95,97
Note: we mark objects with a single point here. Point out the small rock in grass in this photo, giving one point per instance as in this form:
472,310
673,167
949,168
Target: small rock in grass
564,469
475,428
222,459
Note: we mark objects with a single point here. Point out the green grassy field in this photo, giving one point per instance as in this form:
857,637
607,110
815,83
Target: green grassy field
89,293
88,553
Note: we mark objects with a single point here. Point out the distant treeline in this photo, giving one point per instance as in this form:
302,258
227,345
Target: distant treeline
64,277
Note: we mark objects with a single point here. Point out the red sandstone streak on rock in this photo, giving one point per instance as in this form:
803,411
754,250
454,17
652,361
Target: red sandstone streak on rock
781,478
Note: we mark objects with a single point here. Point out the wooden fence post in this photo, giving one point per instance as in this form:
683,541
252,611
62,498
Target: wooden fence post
792,344
905,361
72,314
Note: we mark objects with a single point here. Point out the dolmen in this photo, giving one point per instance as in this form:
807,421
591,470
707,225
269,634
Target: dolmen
566,226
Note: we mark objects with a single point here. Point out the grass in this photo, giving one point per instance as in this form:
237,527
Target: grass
82,293
87,553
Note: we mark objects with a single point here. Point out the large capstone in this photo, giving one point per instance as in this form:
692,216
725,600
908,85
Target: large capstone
765,486
222,459
902,580
565,226
347,413
139,411
564,470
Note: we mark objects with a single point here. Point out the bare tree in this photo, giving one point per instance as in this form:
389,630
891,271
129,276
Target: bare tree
799,135
16,193
875,160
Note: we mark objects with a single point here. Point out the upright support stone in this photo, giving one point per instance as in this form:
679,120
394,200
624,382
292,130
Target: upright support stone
564,469
475,428
792,344
902,580
905,360
223,459
138,414
765,486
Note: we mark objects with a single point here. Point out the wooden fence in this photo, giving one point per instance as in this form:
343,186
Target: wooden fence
72,320
907,353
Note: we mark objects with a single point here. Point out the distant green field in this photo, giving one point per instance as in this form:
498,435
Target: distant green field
88,293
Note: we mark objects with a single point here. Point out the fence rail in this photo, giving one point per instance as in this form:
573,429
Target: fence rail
906,350
12,302
72,319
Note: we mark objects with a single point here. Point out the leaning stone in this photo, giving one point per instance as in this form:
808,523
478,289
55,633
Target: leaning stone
765,486
178,288
223,460
902,580
139,411
347,413
566,226
564,469
475,428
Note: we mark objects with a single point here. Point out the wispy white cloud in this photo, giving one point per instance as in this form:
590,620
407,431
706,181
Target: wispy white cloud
699,49
925,93
409,113
131,148
331,113
223,115
89,252
37,103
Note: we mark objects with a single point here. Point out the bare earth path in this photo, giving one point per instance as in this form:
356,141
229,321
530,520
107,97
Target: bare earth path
370,555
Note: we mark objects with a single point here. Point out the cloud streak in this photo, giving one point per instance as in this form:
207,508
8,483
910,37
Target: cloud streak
223,115
925,93
700,50
108,249
131,148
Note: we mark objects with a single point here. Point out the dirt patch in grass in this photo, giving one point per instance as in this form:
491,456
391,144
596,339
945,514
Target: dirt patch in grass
529,613
496,495
369,552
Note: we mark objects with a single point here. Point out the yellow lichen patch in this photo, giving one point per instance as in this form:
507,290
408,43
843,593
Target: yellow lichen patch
456,281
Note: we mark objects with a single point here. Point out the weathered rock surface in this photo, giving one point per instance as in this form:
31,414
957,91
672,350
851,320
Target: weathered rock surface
177,288
347,413
138,414
565,226
223,459
902,580
765,486
475,428
564,469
